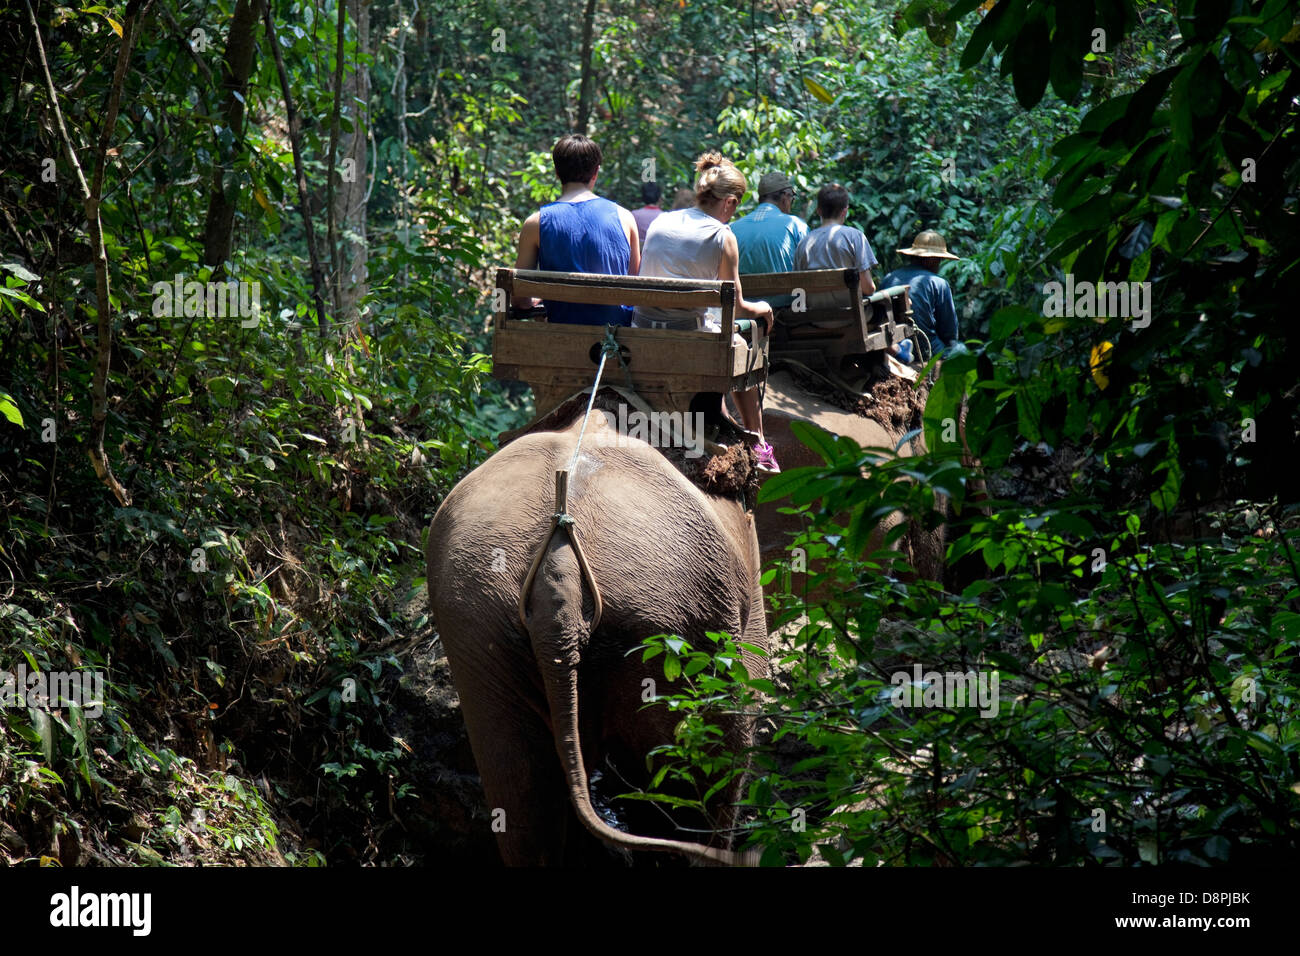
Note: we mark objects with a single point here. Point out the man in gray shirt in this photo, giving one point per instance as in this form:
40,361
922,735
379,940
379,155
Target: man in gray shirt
833,245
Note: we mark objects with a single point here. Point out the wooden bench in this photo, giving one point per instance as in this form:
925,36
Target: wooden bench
668,368
826,336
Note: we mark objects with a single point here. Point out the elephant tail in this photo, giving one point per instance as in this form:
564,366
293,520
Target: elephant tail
557,633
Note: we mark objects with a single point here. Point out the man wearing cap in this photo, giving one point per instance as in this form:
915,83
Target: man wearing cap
933,310
768,236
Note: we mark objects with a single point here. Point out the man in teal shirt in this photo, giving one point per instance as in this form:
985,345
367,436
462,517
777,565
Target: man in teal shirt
768,236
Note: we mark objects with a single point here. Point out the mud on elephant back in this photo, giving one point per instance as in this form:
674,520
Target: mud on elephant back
548,702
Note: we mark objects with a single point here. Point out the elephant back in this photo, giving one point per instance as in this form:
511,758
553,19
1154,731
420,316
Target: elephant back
662,550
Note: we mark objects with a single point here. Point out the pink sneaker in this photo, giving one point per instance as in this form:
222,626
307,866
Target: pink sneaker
766,457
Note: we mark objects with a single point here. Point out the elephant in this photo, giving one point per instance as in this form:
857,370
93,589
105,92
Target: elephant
549,694
785,401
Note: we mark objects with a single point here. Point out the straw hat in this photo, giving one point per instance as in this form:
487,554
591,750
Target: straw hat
928,245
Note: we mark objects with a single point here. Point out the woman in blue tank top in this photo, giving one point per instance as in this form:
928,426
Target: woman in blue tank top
580,232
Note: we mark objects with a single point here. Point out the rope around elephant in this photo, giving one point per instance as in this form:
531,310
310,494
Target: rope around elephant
562,518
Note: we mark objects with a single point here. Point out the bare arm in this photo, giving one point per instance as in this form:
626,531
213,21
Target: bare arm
865,257
729,268
529,237
526,254
633,241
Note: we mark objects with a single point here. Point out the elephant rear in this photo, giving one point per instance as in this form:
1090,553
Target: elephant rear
664,558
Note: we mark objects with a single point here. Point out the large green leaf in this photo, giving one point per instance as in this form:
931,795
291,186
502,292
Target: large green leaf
9,410
817,90
995,29
816,438
1028,64
1069,42
784,484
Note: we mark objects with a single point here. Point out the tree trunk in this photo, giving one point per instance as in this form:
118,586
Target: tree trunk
304,197
349,206
236,66
584,87
331,162
399,90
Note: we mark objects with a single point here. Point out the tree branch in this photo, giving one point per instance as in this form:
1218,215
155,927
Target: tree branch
236,66
584,84
304,200
90,194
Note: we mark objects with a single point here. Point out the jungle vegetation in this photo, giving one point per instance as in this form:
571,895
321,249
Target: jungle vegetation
221,508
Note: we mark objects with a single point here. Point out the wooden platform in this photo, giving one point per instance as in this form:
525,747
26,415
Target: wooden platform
826,336
667,368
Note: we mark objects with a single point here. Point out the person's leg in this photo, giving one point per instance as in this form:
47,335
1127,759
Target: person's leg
750,412
752,415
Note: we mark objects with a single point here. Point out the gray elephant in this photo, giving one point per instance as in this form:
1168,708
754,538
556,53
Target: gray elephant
785,402
553,698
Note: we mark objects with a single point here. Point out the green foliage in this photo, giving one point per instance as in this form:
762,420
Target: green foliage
1146,711
235,815
1139,619
769,136
917,144
707,682
280,476
281,472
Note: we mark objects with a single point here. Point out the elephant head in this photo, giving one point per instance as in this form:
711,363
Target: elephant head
549,693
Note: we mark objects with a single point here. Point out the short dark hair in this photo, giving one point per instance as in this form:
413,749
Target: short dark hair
576,158
832,200
650,192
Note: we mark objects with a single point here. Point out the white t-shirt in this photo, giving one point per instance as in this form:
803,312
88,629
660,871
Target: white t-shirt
834,246
682,244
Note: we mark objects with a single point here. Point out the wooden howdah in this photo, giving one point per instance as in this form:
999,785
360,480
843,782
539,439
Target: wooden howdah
667,368
827,337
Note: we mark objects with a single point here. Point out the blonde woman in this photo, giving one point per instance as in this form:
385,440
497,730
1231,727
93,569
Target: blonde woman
695,243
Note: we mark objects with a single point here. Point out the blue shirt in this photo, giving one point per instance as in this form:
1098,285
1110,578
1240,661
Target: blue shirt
766,240
933,310
583,236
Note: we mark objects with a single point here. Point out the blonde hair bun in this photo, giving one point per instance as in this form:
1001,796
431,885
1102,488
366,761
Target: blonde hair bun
717,177
709,161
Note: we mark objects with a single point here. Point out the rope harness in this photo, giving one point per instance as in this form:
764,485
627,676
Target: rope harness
562,519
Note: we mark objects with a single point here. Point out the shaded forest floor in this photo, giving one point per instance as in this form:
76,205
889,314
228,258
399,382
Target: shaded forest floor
241,793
